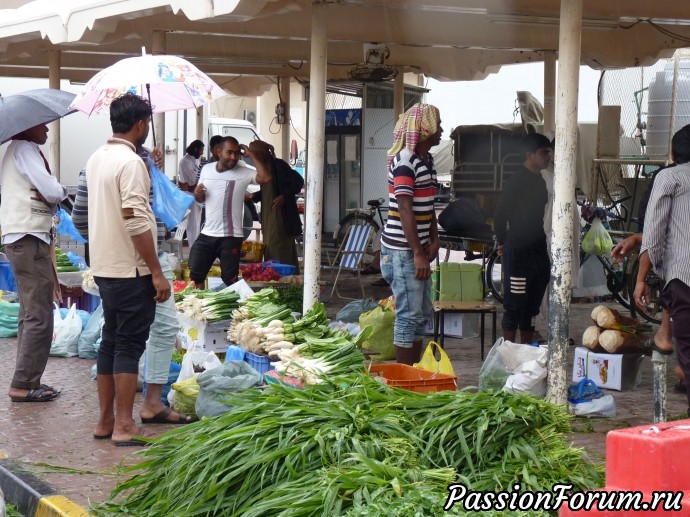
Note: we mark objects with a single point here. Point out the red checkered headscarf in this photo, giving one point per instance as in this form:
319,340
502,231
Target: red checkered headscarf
415,125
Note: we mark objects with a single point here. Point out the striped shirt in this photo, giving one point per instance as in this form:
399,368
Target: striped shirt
666,235
410,175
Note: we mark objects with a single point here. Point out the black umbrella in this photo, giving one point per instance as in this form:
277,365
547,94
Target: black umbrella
28,109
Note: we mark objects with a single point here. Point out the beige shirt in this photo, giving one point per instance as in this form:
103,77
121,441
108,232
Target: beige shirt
118,181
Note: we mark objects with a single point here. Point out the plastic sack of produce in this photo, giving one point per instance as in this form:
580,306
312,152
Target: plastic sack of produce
186,393
65,227
521,367
170,204
215,384
86,346
381,339
597,241
353,310
65,333
9,319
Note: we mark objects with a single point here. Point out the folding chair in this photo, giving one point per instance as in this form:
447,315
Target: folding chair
349,255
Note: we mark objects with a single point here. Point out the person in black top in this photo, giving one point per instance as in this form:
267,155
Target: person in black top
519,228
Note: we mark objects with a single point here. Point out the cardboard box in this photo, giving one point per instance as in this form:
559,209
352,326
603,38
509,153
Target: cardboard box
461,282
457,325
211,336
612,371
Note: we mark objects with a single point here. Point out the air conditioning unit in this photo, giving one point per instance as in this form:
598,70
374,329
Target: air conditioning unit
249,116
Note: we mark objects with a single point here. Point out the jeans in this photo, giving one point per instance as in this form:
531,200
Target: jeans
128,311
163,333
412,297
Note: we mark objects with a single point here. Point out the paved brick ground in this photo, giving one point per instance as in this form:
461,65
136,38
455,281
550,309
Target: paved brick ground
58,433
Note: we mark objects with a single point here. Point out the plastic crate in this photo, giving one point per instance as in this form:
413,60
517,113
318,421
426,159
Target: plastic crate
281,269
253,251
259,362
76,295
412,379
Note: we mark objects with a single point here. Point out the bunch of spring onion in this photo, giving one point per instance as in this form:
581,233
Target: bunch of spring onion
252,333
179,295
209,305
319,357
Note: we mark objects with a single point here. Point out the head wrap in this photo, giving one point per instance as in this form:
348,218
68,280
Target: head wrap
415,125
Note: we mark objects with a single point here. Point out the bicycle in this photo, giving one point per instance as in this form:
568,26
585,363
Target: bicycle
360,216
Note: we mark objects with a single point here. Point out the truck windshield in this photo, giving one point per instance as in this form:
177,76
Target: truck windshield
244,135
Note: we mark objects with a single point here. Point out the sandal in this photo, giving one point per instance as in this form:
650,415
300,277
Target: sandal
38,395
162,418
370,270
381,282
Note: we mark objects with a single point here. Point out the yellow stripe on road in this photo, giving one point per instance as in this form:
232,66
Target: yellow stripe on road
59,506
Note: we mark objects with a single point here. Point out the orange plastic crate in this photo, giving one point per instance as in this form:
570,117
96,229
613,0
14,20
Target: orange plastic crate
412,379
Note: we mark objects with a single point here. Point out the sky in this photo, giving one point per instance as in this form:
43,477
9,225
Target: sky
492,100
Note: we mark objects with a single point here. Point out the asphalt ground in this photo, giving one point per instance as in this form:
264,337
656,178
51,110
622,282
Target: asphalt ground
53,440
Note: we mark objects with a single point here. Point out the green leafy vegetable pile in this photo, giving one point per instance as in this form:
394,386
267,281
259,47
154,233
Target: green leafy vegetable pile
352,447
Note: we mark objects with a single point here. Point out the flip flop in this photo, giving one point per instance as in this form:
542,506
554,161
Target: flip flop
103,436
162,418
381,282
37,395
132,443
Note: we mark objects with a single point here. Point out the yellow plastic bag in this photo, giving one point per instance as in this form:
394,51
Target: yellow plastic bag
430,363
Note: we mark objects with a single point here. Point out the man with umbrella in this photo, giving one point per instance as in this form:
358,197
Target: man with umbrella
124,262
32,196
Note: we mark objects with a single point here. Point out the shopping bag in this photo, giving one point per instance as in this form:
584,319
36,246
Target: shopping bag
380,340
86,344
195,356
430,363
597,240
170,204
66,228
65,332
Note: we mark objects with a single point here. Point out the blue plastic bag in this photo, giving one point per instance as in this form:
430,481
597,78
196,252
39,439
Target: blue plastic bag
170,204
584,391
66,228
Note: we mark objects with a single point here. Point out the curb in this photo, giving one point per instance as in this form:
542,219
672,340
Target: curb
31,496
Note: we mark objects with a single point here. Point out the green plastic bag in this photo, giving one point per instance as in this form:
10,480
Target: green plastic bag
186,393
381,340
597,241
9,319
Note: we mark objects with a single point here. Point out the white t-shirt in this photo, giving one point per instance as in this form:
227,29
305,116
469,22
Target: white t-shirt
225,199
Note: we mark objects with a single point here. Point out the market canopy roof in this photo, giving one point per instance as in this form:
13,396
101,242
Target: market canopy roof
444,39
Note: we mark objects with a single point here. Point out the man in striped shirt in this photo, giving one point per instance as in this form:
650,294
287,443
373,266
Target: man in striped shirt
409,242
665,246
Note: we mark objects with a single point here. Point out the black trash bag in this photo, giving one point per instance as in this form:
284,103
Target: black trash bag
464,218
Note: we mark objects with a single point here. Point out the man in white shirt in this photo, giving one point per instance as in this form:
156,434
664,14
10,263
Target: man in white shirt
187,172
222,187
32,196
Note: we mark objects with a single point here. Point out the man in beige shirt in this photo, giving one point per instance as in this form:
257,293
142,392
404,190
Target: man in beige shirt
125,264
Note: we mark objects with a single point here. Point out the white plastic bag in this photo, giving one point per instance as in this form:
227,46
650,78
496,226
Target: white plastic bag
86,344
521,367
65,332
603,407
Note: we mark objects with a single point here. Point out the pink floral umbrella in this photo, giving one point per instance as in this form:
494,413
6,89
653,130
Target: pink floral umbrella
170,83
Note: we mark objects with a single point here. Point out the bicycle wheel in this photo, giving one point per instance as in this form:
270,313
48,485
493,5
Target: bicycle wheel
493,276
616,281
652,312
350,220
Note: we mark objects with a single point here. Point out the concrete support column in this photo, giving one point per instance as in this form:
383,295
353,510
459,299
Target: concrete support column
54,58
158,46
564,197
398,96
550,93
284,87
315,152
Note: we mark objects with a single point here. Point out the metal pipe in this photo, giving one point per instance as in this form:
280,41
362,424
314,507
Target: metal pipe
158,44
570,36
315,152
674,99
550,93
659,369
284,87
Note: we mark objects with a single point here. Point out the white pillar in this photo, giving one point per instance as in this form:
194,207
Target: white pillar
315,153
550,93
398,96
158,47
564,196
284,86
54,127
